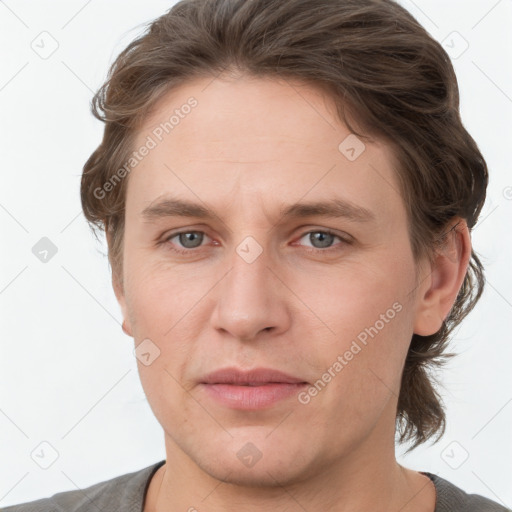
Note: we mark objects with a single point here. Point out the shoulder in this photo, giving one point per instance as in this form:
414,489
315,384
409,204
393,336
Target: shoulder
125,492
451,498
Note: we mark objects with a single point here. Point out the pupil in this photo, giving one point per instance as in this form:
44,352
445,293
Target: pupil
323,238
185,238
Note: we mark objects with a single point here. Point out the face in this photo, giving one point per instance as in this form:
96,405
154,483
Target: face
323,295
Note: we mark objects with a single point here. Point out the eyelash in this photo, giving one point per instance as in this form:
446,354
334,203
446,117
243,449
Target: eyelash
344,241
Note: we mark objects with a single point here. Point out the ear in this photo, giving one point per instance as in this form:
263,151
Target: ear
438,290
119,292
118,287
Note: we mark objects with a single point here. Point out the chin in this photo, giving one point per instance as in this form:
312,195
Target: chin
256,461
265,474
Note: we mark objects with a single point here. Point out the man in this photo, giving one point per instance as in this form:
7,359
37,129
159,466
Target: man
287,192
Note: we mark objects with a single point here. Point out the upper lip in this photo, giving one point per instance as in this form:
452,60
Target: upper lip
256,376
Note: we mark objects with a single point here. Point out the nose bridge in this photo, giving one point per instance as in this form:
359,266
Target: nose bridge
249,299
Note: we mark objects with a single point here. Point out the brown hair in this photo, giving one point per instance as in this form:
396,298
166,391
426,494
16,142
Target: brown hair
379,65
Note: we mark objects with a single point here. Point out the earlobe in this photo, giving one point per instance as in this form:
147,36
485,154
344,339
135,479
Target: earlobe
440,288
126,328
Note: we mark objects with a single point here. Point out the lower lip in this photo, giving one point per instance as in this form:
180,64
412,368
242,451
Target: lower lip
252,397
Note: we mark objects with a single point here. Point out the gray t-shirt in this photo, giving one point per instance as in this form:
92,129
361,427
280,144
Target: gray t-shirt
126,493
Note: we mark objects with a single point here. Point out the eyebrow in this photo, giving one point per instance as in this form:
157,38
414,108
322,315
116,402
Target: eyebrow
336,208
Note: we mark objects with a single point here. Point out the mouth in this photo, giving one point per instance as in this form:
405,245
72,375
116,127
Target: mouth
250,390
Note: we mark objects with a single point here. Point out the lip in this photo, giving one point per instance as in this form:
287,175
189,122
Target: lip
250,390
256,376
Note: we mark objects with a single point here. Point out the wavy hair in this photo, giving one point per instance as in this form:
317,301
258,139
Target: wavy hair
388,78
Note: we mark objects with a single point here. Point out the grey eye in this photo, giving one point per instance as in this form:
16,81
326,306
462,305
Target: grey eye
191,239
321,239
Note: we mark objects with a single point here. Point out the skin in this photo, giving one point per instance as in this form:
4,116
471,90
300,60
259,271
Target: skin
248,148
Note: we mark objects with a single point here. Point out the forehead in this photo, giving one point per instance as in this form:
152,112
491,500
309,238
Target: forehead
260,137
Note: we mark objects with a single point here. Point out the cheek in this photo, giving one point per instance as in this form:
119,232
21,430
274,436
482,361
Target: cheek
160,313
159,298
357,296
370,324
166,309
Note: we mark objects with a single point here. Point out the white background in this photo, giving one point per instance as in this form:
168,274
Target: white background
67,372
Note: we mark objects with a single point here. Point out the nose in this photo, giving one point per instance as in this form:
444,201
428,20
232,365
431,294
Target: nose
251,299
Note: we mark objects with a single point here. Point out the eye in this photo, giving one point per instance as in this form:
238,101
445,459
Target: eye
322,240
188,240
